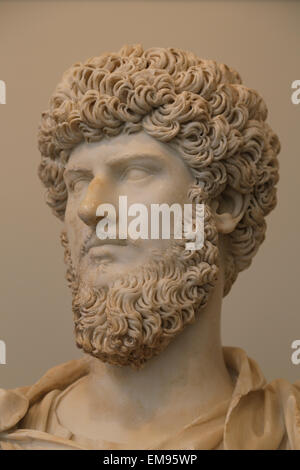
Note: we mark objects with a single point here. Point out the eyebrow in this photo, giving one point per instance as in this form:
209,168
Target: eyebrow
125,158
117,160
75,170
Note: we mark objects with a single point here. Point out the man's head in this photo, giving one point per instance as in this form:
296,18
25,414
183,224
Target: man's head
159,126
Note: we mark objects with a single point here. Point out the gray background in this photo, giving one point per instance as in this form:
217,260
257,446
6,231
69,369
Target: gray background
38,41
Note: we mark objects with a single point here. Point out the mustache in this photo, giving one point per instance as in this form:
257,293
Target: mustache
93,240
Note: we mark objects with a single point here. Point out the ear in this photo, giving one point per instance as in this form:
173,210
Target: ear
229,209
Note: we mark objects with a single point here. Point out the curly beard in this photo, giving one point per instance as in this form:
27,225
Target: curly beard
140,313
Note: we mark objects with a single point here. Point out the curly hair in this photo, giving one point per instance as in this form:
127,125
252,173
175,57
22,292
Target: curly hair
216,123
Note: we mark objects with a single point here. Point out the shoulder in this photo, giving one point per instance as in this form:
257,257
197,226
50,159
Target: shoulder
288,401
23,402
261,415
269,417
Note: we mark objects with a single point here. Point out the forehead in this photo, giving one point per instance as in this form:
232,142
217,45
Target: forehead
140,144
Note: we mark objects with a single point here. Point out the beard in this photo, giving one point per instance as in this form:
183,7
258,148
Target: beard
135,317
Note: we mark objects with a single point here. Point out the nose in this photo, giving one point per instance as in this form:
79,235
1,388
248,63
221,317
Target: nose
94,196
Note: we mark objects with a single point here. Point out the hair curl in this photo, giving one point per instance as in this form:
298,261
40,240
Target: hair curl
200,106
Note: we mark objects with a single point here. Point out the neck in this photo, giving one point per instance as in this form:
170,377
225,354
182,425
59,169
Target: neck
191,372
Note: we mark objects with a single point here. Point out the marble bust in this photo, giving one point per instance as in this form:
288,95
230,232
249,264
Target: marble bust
160,126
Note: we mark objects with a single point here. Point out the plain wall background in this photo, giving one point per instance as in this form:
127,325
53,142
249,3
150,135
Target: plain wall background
38,41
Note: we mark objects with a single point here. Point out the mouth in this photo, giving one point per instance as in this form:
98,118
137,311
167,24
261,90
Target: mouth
103,250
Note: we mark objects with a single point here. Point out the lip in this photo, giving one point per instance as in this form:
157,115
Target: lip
96,247
108,242
103,251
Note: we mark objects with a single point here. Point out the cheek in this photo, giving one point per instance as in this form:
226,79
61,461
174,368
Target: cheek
181,182
163,190
173,186
74,232
171,192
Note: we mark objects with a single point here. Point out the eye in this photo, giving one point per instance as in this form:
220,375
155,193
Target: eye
135,174
77,185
